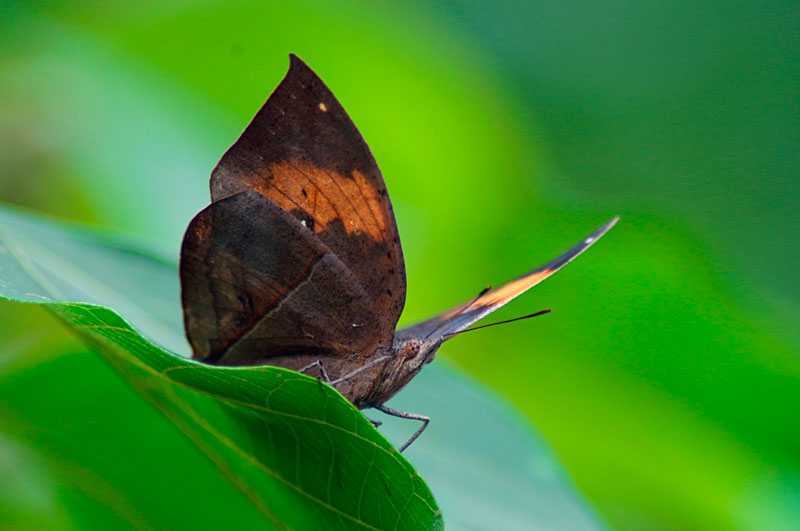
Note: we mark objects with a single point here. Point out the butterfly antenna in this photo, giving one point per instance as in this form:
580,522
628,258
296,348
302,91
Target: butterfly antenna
536,314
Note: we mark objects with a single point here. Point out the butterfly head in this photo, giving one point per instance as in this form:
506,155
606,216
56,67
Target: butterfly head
408,355
413,353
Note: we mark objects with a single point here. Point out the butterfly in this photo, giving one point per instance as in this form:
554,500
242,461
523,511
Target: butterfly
297,261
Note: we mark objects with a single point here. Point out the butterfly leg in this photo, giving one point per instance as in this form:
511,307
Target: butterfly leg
359,370
322,370
374,422
411,416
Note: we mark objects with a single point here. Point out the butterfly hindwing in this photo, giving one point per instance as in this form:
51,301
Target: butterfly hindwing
258,288
304,153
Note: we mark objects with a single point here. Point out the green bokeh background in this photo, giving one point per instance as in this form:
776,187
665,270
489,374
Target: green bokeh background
667,379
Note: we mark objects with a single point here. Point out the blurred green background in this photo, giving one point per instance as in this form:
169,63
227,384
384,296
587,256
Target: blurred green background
667,378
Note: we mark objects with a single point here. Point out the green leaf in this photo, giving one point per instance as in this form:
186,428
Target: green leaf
304,456
80,449
301,454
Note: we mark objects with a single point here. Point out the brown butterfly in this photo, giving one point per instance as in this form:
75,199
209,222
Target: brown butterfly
297,261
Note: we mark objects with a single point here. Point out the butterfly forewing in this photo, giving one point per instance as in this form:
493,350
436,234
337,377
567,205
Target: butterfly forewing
466,314
303,152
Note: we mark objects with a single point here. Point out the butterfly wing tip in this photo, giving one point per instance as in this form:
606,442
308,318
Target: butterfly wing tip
294,60
605,227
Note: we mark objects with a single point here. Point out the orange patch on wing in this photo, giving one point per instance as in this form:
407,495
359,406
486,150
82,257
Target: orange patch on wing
508,291
327,196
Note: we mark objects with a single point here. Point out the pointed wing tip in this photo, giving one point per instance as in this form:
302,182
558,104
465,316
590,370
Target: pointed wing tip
573,252
600,231
608,224
296,62
299,69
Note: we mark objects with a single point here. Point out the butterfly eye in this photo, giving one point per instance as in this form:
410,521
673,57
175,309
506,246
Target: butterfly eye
411,348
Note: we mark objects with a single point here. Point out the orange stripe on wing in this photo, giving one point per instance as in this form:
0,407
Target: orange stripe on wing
512,289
